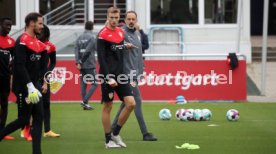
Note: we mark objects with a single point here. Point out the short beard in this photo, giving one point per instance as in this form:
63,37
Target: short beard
131,27
36,33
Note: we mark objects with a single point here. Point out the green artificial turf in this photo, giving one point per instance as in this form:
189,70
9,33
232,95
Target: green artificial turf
82,132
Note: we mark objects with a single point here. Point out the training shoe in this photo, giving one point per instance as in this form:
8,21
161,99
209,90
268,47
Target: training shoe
26,131
51,134
149,137
111,144
9,138
22,134
86,106
118,140
29,138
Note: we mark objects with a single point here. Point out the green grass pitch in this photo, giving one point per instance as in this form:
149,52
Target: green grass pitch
82,132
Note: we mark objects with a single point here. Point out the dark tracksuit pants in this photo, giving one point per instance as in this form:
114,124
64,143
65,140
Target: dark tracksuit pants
4,94
137,110
47,111
86,95
26,111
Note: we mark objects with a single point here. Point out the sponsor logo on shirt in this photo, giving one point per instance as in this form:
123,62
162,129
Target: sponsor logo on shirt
5,52
35,57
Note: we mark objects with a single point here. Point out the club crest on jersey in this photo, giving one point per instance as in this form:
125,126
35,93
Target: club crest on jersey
121,34
9,41
56,79
110,95
47,47
133,84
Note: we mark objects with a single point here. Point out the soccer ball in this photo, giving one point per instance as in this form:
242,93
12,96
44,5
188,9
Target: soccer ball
178,113
192,112
197,115
186,115
232,115
206,114
165,114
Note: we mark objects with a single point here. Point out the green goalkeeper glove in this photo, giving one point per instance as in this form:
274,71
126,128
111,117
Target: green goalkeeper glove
33,94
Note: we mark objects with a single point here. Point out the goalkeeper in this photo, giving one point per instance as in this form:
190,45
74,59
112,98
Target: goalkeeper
30,63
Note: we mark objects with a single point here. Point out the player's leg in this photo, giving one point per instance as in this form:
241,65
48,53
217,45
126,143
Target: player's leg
125,92
83,83
139,114
129,106
4,94
3,109
36,131
107,98
19,114
138,109
94,84
47,114
46,109
22,120
109,143
107,107
115,121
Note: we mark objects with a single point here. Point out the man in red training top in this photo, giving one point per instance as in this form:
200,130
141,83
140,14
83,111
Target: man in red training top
110,48
6,52
30,63
51,51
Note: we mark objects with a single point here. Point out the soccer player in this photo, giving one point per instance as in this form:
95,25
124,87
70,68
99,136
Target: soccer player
85,49
6,51
44,37
110,48
30,61
133,61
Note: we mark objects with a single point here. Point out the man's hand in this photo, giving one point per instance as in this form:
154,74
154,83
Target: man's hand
130,46
112,83
79,66
44,88
33,94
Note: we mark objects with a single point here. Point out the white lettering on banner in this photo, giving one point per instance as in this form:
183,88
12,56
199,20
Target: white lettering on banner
184,80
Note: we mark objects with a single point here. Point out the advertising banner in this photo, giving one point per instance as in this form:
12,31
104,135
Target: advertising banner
164,80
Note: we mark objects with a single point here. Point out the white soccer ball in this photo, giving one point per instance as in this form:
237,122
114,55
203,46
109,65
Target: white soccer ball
206,114
232,115
192,112
178,113
186,115
165,114
197,115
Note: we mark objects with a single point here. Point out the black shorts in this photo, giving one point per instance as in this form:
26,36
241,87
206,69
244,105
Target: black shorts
122,90
4,85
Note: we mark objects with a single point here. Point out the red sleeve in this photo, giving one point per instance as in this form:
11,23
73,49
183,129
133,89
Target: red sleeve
50,47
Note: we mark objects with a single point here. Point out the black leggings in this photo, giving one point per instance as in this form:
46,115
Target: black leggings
46,108
3,109
27,110
4,94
